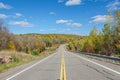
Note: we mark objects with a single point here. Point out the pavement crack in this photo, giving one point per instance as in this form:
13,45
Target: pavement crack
94,68
102,72
108,72
109,78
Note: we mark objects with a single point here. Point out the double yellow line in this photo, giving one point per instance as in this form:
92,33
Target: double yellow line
63,70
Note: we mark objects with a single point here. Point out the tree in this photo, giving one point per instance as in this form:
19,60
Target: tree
4,36
11,45
108,40
116,31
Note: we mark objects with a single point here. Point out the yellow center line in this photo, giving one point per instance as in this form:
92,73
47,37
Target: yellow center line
63,70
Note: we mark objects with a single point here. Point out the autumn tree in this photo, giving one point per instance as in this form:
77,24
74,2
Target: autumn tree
116,31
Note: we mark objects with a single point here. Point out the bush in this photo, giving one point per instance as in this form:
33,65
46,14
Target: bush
35,52
27,50
15,58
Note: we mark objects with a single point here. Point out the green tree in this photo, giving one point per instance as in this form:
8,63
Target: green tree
108,40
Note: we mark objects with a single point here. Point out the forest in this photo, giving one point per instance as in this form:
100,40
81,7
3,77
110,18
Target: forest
105,42
30,43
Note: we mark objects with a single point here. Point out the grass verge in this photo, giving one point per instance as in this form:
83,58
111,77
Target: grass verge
20,58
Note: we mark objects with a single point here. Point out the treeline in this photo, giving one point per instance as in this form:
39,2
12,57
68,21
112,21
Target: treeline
30,43
39,42
106,42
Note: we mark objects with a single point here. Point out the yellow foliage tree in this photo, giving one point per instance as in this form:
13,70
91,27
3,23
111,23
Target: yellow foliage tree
11,45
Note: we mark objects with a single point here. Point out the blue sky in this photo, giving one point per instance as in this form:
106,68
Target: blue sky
56,16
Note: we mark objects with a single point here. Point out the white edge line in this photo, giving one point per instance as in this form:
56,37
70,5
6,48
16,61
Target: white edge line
30,67
98,64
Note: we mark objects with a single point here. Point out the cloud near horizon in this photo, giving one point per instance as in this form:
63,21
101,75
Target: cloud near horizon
3,16
68,23
101,19
21,23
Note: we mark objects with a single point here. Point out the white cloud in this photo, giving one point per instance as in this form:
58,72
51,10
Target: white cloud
18,14
52,13
73,2
101,19
68,23
3,16
21,23
4,6
76,24
61,21
114,5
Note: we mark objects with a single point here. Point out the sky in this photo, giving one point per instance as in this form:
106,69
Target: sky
56,16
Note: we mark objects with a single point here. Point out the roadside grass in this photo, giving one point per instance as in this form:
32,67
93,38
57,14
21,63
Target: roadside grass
20,58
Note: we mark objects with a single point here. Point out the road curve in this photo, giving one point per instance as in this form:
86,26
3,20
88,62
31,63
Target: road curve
77,68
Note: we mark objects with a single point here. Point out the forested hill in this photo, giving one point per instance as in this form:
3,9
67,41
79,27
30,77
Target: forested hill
30,42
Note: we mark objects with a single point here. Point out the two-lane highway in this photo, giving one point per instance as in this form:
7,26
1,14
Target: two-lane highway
75,67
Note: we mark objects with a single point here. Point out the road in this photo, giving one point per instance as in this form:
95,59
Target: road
75,67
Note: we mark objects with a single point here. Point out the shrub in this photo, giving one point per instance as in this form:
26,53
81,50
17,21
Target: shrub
27,50
35,52
15,58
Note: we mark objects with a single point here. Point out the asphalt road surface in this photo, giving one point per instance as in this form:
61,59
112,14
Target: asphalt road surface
76,67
